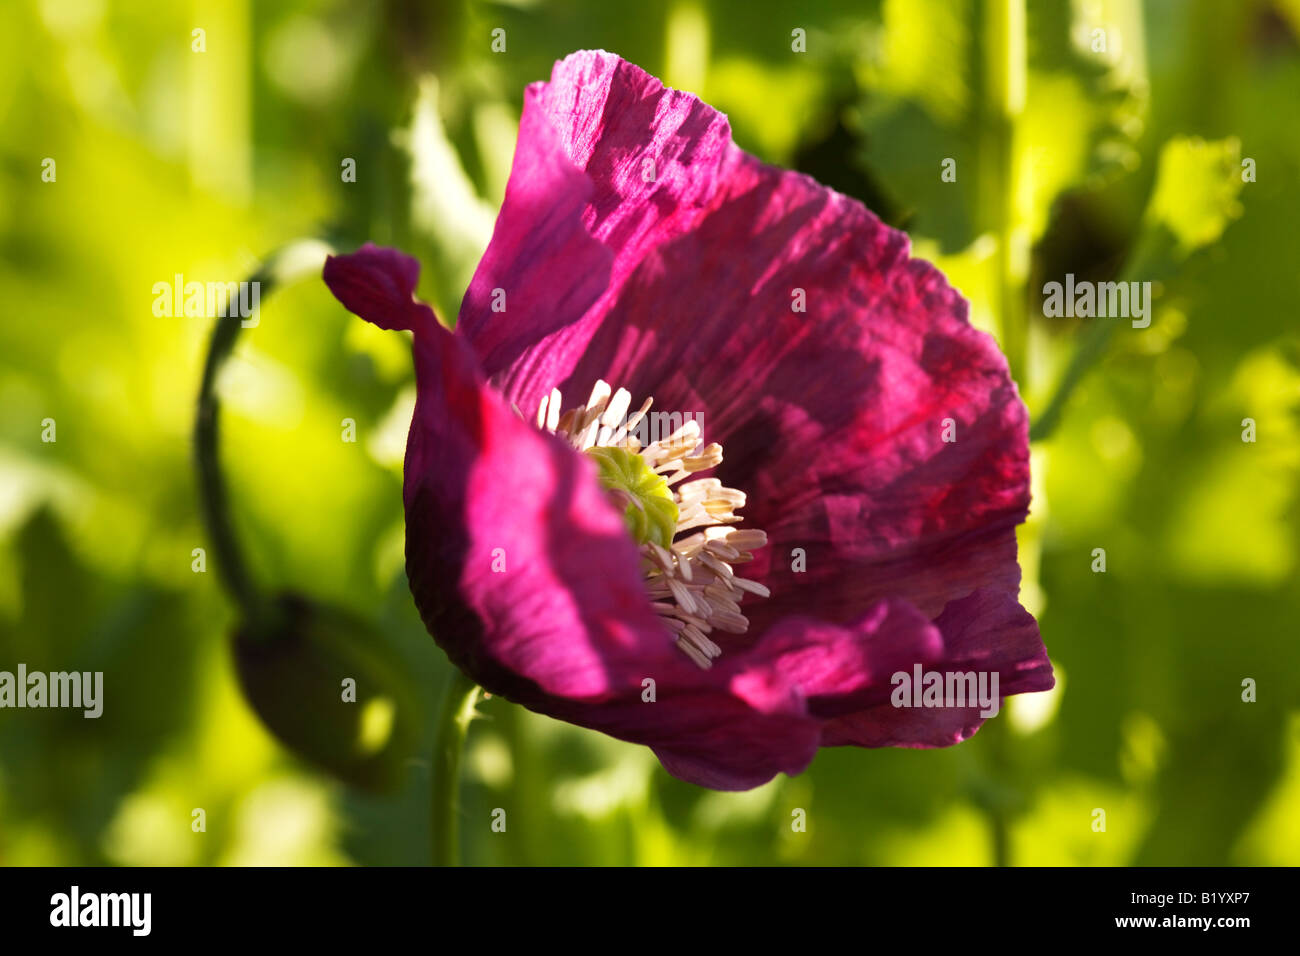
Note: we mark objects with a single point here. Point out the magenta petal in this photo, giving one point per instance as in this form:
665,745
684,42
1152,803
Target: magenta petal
542,270
802,663
989,630
986,632
378,284
731,728
647,160
843,668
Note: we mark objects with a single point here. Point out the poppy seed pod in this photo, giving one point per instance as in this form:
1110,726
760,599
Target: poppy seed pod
329,689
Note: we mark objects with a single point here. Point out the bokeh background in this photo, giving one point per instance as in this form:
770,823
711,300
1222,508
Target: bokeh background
1122,158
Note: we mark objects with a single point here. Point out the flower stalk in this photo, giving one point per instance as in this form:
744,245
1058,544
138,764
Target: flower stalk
448,743
214,500
1002,173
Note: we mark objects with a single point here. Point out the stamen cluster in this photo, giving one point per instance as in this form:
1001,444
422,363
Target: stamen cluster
691,582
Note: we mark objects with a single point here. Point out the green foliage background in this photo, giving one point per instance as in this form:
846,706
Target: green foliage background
1122,162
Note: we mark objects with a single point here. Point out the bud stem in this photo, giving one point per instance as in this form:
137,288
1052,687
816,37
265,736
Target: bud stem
448,741
287,264
232,569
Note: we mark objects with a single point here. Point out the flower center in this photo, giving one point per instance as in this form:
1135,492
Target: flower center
685,529
651,511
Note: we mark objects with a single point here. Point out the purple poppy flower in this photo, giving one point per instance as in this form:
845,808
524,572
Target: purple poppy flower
591,569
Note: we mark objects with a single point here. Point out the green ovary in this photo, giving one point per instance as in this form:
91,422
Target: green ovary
626,471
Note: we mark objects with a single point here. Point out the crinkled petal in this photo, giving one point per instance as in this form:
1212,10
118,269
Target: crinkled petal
801,665
840,669
987,632
542,270
605,154
733,730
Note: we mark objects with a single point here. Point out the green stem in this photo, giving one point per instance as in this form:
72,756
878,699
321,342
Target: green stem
1090,348
997,798
1152,249
1002,93
448,741
232,568
287,264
